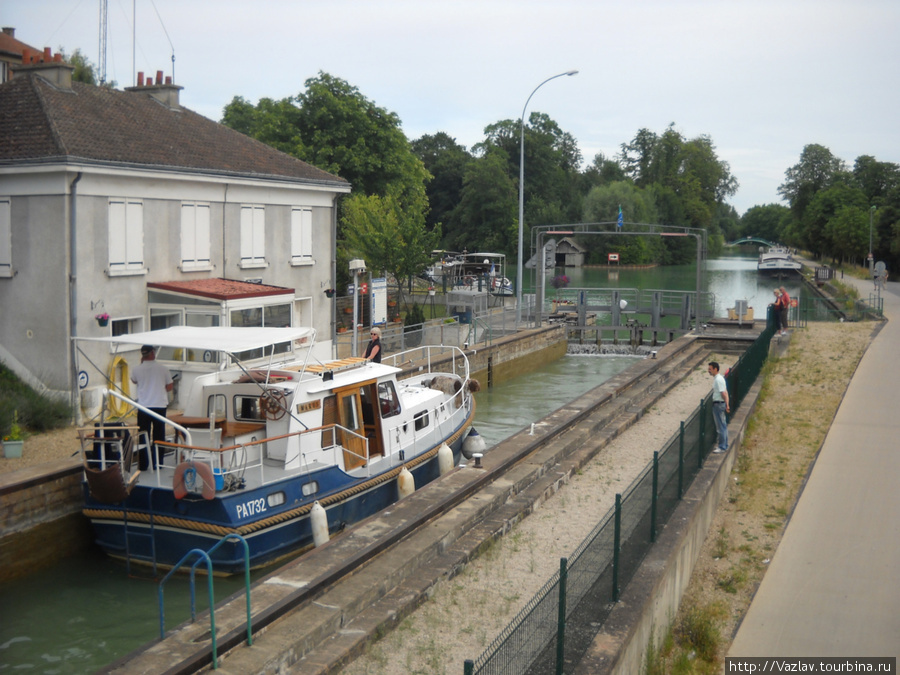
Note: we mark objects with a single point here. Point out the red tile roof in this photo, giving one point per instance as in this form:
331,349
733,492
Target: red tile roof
40,122
220,289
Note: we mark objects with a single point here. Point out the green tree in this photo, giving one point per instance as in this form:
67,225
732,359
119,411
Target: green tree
822,208
602,206
389,235
769,222
816,170
447,162
487,215
848,233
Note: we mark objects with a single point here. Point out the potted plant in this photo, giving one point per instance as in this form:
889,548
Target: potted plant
102,319
431,290
13,441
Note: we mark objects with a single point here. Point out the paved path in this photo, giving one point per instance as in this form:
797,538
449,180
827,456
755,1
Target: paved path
833,587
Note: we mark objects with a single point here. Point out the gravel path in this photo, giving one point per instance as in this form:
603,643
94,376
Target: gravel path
465,613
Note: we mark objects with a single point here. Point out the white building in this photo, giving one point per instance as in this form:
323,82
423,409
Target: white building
124,203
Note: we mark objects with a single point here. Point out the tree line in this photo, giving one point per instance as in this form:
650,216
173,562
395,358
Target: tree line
412,196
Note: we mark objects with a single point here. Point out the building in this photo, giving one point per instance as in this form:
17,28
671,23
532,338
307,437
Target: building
569,253
126,204
11,51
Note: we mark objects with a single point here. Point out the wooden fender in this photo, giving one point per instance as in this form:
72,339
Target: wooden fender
202,471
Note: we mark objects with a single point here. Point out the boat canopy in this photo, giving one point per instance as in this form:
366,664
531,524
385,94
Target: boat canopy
231,340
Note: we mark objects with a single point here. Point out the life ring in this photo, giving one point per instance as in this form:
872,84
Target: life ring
119,365
186,476
793,302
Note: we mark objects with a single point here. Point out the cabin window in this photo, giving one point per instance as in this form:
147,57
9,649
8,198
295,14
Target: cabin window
421,420
310,488
349,418
276,499
215,406
246,409
388,400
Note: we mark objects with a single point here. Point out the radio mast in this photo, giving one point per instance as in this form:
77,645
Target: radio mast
101,75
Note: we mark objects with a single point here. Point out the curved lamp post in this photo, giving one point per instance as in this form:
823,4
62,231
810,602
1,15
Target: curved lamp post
519,274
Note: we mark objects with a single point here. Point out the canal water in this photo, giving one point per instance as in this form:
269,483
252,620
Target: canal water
84,613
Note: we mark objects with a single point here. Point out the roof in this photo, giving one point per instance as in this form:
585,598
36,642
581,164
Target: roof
40,122
222,339
220,289
10,46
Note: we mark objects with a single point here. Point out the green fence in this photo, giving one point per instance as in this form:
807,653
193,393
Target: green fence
556,627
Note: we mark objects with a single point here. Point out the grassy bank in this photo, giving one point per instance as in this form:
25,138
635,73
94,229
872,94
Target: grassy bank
800,396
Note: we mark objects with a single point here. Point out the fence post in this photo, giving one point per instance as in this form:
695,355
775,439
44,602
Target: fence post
561,621
702,447
654,496
681,460
468,667
617,536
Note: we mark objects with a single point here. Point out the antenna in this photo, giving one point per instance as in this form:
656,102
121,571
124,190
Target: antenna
102,67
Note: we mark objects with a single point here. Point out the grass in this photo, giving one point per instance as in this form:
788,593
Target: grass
800,394
36,412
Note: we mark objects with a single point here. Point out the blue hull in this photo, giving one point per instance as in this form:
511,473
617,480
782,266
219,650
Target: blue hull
162,529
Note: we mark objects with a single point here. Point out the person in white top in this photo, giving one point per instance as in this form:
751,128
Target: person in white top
154,382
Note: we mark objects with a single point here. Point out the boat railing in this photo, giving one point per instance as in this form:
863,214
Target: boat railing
428,355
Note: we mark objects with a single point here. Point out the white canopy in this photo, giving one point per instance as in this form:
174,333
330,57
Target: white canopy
215,338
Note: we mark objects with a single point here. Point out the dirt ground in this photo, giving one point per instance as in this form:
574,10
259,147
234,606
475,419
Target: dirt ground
54,447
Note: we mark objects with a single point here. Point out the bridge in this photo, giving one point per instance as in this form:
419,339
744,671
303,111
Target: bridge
750,240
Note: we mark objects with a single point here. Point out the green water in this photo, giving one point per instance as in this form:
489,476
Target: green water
81,615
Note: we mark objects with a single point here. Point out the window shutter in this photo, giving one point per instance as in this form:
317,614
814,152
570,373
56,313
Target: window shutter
5,238
301,234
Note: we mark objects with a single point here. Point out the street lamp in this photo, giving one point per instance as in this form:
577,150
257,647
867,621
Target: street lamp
357,267
519,277
871,257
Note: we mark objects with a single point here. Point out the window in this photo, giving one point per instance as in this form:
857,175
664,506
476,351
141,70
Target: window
125,326
301,236
421,420
387,399
126,236
195,237
5,238
253,236
246,409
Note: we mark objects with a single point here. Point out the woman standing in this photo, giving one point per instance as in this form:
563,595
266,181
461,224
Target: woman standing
373,350
785,308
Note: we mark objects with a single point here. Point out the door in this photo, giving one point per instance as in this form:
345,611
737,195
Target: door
349,409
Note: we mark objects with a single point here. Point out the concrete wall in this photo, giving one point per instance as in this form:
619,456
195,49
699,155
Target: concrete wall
40,518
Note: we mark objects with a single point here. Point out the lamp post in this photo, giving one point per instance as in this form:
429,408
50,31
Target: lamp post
357,267
871,257
519,274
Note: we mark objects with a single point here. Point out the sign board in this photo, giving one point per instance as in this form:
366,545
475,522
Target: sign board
612,257
378,301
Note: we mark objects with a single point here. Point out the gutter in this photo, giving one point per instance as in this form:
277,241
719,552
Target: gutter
73,297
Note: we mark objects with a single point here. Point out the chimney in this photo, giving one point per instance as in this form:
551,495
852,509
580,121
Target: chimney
167,94
48,65
9,30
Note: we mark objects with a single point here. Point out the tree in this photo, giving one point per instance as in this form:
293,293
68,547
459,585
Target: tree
390,235
815,171
486,218
768,222
602,205
447,162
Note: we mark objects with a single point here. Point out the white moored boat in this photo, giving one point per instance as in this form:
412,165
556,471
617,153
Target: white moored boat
260,443
778,261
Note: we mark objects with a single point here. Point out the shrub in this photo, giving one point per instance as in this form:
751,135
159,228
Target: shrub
36,412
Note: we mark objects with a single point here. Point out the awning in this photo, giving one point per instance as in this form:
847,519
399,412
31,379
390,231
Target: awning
214,338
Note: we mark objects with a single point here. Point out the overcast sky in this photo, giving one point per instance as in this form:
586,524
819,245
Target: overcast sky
761,78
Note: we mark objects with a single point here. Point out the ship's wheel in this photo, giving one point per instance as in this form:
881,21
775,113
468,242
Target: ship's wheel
272,404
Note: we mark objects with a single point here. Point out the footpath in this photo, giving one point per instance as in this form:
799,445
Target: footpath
832,587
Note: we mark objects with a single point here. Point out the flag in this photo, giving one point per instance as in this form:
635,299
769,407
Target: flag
619,221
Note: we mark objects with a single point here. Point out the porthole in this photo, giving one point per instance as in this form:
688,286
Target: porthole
310,488
276,499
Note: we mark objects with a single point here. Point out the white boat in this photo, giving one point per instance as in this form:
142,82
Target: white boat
778,261
260,445
471,271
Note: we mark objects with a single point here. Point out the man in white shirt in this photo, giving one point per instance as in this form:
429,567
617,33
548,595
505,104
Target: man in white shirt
721,405
154,382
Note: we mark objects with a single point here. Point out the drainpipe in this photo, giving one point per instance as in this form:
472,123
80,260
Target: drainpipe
73,297
333,299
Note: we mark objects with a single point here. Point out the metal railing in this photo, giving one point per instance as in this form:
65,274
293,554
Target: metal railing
558,624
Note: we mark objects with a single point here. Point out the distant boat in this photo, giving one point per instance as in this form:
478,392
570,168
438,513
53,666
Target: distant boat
262,446
777,261
471,272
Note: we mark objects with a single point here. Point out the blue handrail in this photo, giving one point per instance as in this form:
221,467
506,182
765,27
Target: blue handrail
201,557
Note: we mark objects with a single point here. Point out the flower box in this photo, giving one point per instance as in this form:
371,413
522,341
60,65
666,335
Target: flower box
12,448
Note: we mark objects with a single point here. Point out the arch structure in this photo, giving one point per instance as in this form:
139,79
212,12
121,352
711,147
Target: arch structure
751,240
541,234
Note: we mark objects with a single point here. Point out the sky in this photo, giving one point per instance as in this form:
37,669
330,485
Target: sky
761,78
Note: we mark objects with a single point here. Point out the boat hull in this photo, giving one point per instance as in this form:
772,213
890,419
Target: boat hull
152,527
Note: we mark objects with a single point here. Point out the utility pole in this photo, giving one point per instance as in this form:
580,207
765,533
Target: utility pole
101,75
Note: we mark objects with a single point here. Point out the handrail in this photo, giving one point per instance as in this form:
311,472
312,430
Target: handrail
205,556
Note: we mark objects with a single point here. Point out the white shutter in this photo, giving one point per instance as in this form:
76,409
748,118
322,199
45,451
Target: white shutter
188,235
134,235
301,234
116,234
259,233
246,234
253,235
203,234
5,238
